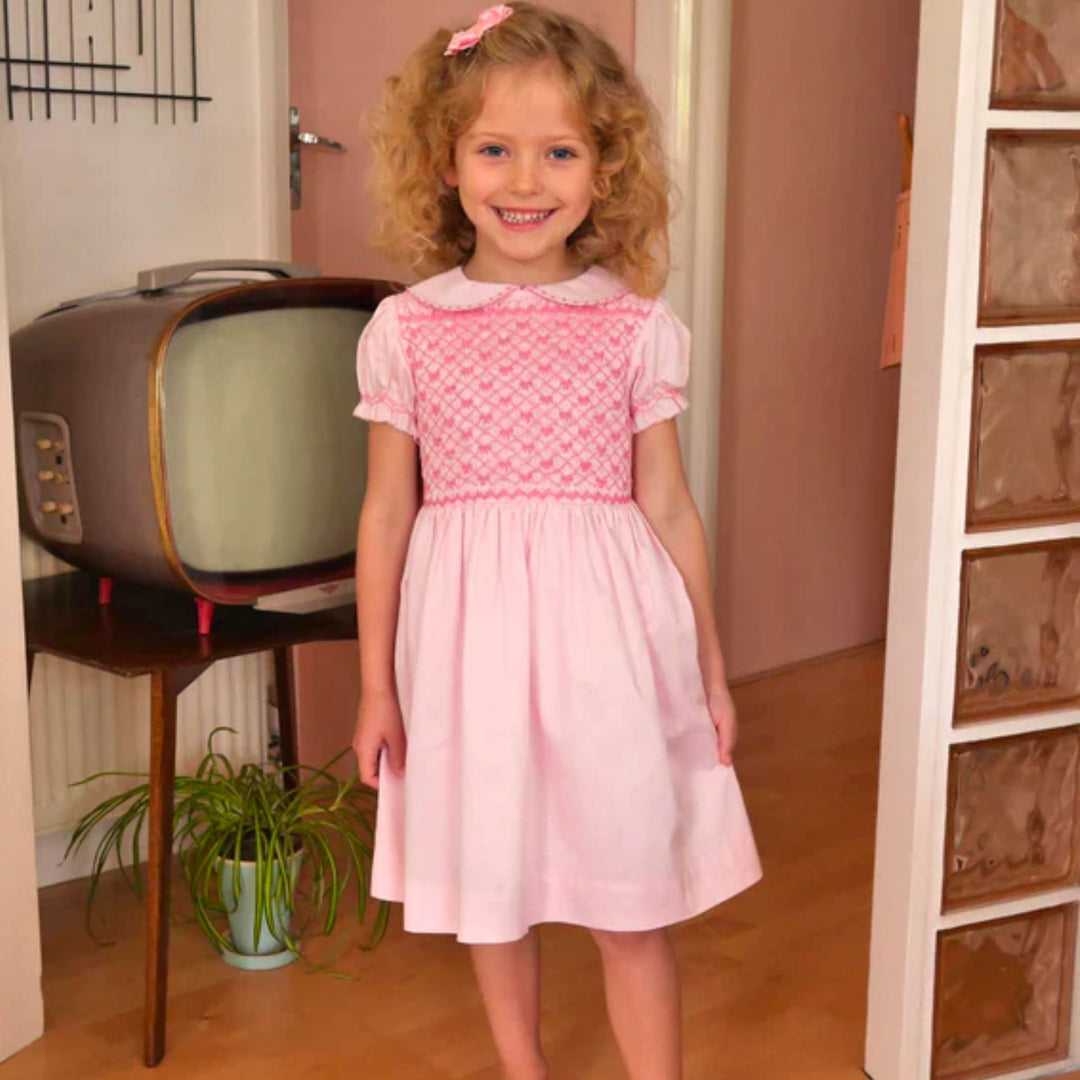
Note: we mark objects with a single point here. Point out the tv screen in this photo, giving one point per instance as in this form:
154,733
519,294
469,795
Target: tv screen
265,461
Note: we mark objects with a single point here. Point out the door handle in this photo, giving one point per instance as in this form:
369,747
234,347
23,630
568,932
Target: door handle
297,140
310,139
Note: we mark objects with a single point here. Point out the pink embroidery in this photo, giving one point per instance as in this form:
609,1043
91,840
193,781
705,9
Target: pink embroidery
525,397
380,399
662,393
657,405
492,496
383,409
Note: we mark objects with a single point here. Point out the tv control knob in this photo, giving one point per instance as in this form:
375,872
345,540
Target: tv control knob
46,475
45,444
66,508
60,478
49,507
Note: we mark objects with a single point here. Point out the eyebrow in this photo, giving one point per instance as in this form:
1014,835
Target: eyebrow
500,137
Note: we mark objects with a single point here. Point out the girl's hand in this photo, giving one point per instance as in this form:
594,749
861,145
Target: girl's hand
722,711
378,725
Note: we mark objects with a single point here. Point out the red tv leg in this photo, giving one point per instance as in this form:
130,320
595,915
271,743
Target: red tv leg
104,591
206,614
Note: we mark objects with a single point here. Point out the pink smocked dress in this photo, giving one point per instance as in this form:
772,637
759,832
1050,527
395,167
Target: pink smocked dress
562,765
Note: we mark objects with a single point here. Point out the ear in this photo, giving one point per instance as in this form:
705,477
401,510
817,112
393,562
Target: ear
450,177
601,188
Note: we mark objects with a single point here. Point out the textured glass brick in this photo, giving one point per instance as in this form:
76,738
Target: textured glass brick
1012,817
1003,994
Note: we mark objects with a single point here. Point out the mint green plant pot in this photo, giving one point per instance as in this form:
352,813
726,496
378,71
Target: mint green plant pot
271,951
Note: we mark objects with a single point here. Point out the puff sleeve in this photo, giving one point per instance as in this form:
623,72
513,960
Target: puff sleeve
659,369
382,372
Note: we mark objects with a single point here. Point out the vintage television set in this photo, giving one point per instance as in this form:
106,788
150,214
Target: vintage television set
196,432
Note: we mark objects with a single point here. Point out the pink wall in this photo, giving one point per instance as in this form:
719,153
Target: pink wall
808,425
339,54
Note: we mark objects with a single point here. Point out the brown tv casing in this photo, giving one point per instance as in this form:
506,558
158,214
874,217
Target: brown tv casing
97,367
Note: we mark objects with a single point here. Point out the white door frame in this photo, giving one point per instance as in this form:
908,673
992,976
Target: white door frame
682,52
21,1009
941,332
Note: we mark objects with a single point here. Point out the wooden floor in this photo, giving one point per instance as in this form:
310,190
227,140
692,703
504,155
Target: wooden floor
775,980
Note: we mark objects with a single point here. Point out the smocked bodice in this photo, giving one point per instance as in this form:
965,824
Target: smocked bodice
523,392
523,398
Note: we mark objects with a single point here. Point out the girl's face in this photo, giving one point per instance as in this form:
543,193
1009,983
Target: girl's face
524,172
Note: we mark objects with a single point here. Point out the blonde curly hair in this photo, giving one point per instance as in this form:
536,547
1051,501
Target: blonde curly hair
434,100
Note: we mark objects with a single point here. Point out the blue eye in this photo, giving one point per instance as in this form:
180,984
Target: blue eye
492,151
563,153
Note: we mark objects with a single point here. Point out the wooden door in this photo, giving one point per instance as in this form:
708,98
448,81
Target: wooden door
340,52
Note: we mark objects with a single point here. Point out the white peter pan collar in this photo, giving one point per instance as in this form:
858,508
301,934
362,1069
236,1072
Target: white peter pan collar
453,291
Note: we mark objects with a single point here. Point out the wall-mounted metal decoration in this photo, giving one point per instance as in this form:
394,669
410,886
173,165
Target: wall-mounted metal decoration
159,37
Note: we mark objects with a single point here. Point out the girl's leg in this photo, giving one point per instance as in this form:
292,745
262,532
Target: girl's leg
509,978
642,985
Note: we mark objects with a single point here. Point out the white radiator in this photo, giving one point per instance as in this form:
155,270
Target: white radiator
83,721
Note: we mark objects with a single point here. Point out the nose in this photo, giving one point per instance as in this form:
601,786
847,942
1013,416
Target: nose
525,178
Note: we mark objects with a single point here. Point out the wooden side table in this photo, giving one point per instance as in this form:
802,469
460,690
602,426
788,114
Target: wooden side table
153,632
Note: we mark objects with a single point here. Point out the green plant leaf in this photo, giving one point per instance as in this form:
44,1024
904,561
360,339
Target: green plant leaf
221,809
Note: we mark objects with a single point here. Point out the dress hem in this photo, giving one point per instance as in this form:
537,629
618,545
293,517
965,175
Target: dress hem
572,915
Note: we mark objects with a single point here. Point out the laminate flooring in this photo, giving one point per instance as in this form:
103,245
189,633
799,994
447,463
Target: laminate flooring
774,980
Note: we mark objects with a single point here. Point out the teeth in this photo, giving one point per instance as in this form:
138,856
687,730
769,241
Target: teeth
523,219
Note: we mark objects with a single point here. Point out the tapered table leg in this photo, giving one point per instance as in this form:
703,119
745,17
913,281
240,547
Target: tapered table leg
163,693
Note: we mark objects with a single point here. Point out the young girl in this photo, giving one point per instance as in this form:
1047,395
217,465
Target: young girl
536,623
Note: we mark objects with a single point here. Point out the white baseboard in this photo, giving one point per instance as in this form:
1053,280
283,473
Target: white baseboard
52,869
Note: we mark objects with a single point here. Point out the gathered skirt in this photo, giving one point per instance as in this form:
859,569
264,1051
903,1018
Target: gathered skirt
562,765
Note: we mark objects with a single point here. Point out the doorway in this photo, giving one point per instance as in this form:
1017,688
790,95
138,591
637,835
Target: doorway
804,442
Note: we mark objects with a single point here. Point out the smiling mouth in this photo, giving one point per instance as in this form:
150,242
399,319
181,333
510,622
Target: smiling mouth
520,217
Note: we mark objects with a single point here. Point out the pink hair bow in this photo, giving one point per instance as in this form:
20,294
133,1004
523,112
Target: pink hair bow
466,39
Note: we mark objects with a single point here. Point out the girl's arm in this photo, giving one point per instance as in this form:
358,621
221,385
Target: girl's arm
391,502
660,490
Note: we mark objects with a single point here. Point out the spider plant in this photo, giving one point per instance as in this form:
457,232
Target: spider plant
261,814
